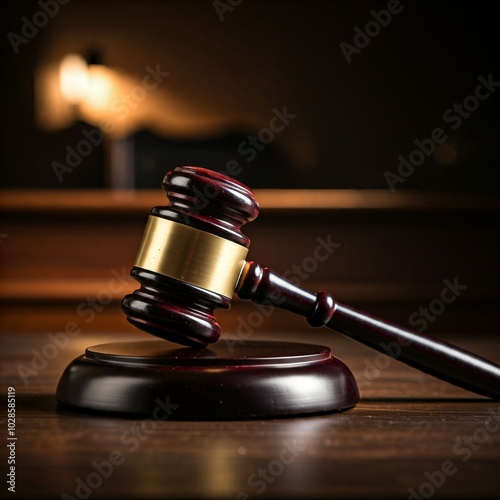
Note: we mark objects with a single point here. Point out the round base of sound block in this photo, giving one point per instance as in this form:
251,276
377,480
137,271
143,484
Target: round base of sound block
228,380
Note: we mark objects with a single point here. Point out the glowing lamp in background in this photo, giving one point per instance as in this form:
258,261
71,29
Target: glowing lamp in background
101,90
74,78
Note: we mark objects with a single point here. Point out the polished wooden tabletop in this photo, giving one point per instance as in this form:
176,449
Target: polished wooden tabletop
411,436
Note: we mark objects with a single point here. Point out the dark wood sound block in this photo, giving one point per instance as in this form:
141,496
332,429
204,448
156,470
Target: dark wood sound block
229,380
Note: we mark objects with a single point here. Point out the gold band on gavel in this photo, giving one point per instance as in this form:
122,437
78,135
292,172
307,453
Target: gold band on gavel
190,255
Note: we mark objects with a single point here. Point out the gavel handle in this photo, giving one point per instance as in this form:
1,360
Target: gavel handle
430,355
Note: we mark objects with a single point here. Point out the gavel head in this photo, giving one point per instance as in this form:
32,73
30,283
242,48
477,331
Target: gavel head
191,256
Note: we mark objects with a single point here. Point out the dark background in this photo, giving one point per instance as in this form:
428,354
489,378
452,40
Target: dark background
353,120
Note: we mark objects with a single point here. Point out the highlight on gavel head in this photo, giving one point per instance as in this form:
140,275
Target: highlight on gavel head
191,256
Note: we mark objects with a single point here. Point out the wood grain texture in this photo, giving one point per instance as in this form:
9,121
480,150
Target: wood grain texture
62,247
406,426
140,201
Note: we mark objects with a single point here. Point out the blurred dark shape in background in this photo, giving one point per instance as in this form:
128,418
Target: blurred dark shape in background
227,79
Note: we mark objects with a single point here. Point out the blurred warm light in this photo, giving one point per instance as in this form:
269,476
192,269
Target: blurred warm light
446,154
101,90
74,78
69,89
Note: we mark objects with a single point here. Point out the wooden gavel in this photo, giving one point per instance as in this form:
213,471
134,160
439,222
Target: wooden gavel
192,259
